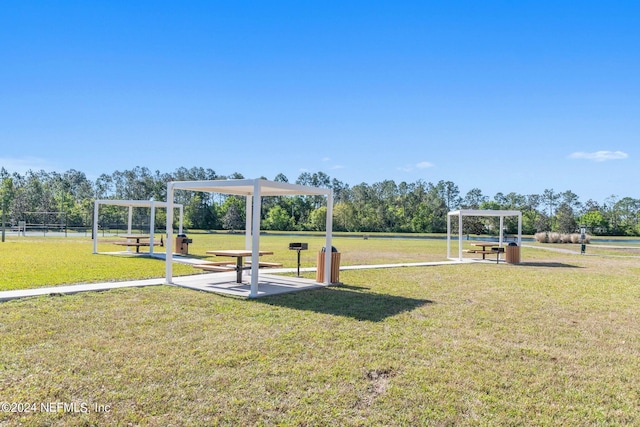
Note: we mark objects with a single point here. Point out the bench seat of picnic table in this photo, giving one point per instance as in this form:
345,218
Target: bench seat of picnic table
139,244
215,267
262,264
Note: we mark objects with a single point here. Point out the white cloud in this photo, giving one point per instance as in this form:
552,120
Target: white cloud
424,165
411,168
599,156
335,167
23,165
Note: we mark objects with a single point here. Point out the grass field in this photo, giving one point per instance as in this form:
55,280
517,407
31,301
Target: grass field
554,341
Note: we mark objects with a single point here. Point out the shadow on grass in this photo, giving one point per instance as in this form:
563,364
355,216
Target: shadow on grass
346,301
548,264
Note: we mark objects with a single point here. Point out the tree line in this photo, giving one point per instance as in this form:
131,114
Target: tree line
417,207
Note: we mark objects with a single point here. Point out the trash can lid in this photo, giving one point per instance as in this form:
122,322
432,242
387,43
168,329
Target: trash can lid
333,249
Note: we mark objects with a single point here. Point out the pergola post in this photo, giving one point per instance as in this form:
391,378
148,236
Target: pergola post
248,222
449,235
520,229
96,209
169,242
255,246
152,226
460,236
328,245
130,220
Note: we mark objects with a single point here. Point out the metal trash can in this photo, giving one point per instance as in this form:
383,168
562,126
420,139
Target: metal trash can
512,253
182,244
335,265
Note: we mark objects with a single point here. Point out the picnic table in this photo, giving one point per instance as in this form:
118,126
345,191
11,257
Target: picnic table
494,248
239,255
140,240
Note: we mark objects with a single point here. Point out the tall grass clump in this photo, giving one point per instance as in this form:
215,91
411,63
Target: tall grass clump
553,237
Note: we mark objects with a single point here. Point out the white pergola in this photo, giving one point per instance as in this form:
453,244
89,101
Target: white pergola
479,212
253,190
134,204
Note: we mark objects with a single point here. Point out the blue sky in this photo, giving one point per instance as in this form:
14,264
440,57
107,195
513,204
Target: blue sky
499,95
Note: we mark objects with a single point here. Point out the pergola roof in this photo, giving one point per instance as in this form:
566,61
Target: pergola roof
484,212
247,187
134,203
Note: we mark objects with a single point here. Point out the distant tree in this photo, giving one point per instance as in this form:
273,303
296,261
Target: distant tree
566,219
611,211
450,193
344,217
341,191
199,214
421,219
571,199
318,219
542,223
595,222
233,216
473,199
550,199
281,178
627,211
277,219
7,193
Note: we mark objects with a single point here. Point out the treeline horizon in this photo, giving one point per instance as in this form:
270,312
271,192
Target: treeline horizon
385,206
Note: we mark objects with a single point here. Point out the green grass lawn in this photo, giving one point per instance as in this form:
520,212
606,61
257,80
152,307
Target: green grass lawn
30,262
554,341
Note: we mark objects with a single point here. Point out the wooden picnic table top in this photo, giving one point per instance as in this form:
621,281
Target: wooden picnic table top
485,244
237,252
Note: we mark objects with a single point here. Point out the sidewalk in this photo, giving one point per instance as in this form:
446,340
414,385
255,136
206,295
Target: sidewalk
96,287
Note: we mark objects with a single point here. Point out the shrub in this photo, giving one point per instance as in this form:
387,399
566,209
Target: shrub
553,237
541,237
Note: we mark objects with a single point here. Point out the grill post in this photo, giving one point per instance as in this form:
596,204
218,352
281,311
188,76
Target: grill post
298,247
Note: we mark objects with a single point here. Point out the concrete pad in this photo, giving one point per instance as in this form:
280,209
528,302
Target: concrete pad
225,283
179,258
